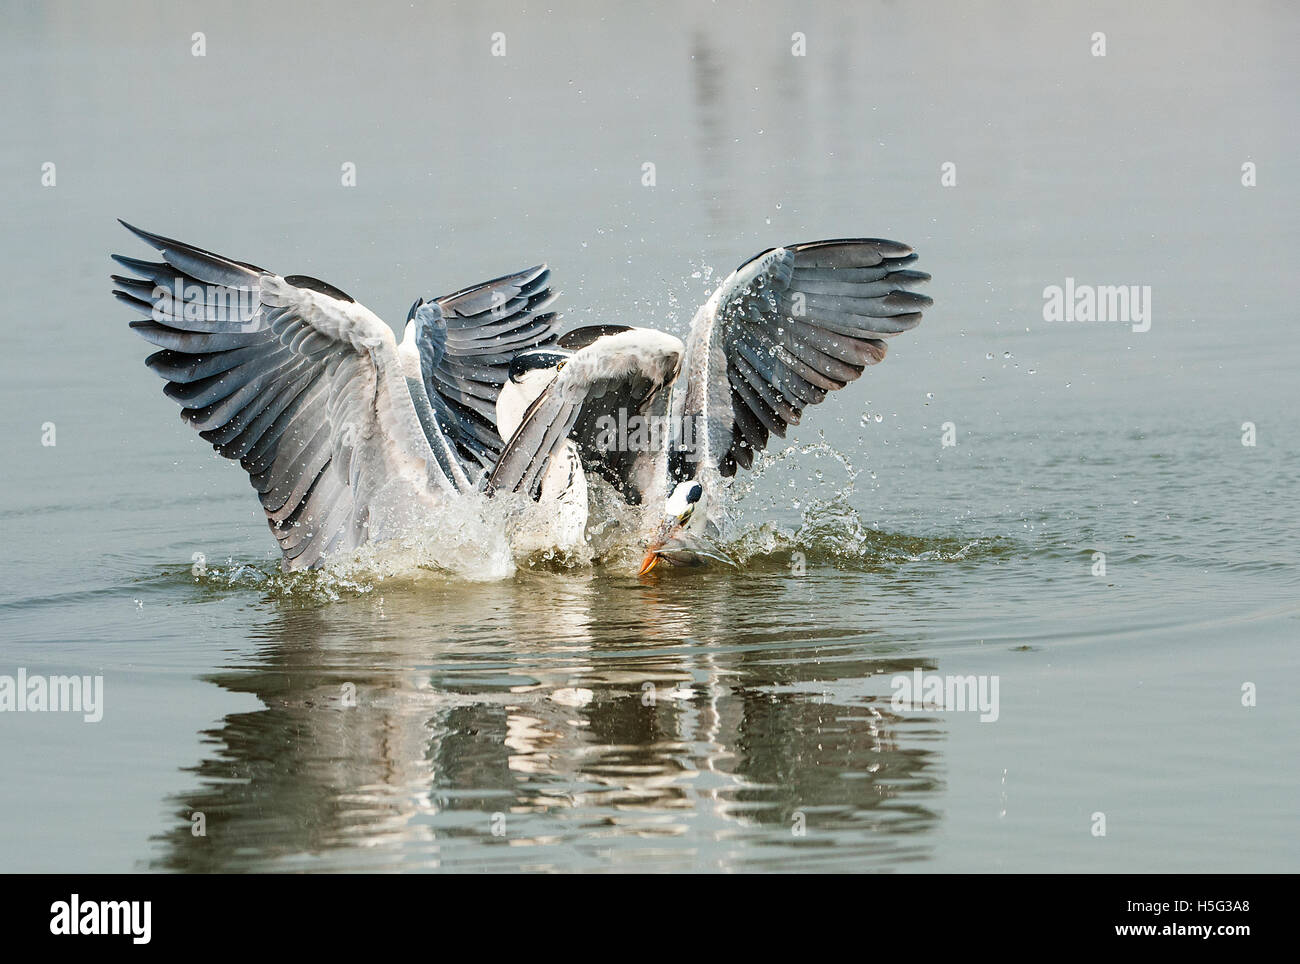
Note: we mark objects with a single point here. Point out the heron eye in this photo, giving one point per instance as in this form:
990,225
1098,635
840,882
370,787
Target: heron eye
560,367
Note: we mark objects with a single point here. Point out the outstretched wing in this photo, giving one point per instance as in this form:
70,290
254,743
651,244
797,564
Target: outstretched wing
466,341
780,332
604,398
298,382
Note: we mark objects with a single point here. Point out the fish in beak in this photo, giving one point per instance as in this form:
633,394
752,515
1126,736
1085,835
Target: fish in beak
680,540
665,543
678,547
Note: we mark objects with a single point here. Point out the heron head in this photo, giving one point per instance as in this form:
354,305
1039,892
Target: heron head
537,364
677,541
530,372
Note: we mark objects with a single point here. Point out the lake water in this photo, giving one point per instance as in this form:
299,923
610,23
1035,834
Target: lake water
584,719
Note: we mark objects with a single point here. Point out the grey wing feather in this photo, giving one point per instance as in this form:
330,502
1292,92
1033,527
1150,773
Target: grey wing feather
781,331
466,342
296,381
545,425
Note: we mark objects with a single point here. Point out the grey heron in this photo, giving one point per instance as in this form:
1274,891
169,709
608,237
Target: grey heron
778,334
345,433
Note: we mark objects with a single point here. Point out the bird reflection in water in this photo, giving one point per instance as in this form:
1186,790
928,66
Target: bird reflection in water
564,721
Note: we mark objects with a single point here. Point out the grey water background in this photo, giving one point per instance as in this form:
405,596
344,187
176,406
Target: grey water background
1119,694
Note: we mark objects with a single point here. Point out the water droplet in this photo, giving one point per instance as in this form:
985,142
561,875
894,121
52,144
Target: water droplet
929,394
1006,354
988,356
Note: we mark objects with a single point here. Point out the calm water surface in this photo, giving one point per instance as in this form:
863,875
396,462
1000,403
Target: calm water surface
509,725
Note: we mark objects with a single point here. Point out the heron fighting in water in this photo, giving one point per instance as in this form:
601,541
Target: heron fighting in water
780,332
348,434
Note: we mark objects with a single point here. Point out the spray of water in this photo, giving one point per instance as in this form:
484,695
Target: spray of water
486,539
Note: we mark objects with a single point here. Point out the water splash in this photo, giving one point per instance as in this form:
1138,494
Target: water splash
830,529
473,539
466,540
832,532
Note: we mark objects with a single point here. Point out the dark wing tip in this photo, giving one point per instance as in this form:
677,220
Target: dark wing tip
322,287
159,243
908,300
582,337
887,248
153,240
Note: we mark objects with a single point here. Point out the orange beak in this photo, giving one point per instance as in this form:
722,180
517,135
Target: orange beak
650,561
